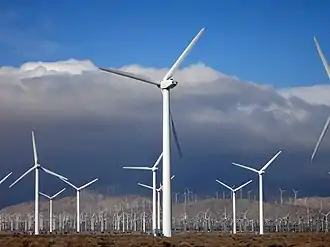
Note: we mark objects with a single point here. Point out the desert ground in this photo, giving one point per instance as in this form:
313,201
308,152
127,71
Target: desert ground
207,240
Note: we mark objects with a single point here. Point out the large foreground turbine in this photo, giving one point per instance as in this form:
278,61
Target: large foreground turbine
154,169
36,168
165,85
260,173
327,123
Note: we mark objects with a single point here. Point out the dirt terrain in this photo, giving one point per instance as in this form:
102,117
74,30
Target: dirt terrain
183,240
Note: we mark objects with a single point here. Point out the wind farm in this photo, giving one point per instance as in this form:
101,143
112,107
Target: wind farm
106,116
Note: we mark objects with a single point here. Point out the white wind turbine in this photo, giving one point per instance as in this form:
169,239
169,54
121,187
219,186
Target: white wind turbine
154,169
234,199
165,85
36,168
327,123
78,189
158,200
51,207
260,173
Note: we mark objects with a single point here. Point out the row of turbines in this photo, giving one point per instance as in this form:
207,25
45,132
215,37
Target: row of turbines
136,216
36,167
165,85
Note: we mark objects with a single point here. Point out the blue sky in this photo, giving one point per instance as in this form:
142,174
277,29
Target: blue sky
267,42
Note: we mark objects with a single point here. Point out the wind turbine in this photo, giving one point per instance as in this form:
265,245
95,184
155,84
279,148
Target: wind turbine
260,173
158,200
327,69
78,189
165,85
51,207
154,169
36,168
234,199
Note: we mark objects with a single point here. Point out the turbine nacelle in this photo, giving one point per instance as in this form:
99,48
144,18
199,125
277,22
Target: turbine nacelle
168,84
153,169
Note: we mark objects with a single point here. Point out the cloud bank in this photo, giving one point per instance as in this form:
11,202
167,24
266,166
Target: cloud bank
215,114
205,99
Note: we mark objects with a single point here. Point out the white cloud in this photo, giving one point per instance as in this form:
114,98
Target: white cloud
204,97
316,95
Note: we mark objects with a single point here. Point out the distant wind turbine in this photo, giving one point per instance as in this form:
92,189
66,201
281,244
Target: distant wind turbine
234,199
260,173
158,199
36,168
154,169
326,126
78,189
51,207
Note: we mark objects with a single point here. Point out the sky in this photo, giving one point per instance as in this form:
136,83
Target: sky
253,84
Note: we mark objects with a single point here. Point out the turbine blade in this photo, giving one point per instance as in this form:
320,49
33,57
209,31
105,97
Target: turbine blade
324,131
223,184
243,185
89,183
158,161
58,193
130,75
2,180
35,154
178,62
43,194
137,168
24,174
271,161
324,60
246,167
176,138
53,173
161,186
66,181
146,186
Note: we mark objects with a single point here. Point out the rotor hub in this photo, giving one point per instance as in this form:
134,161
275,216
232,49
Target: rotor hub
168,84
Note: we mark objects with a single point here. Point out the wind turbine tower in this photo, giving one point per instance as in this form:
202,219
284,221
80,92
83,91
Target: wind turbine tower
260,173
78,189
165,85
51,207
158,200
36,168
154,169
234,199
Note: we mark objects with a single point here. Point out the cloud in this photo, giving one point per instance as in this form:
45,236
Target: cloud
205,99
96,117
315,95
